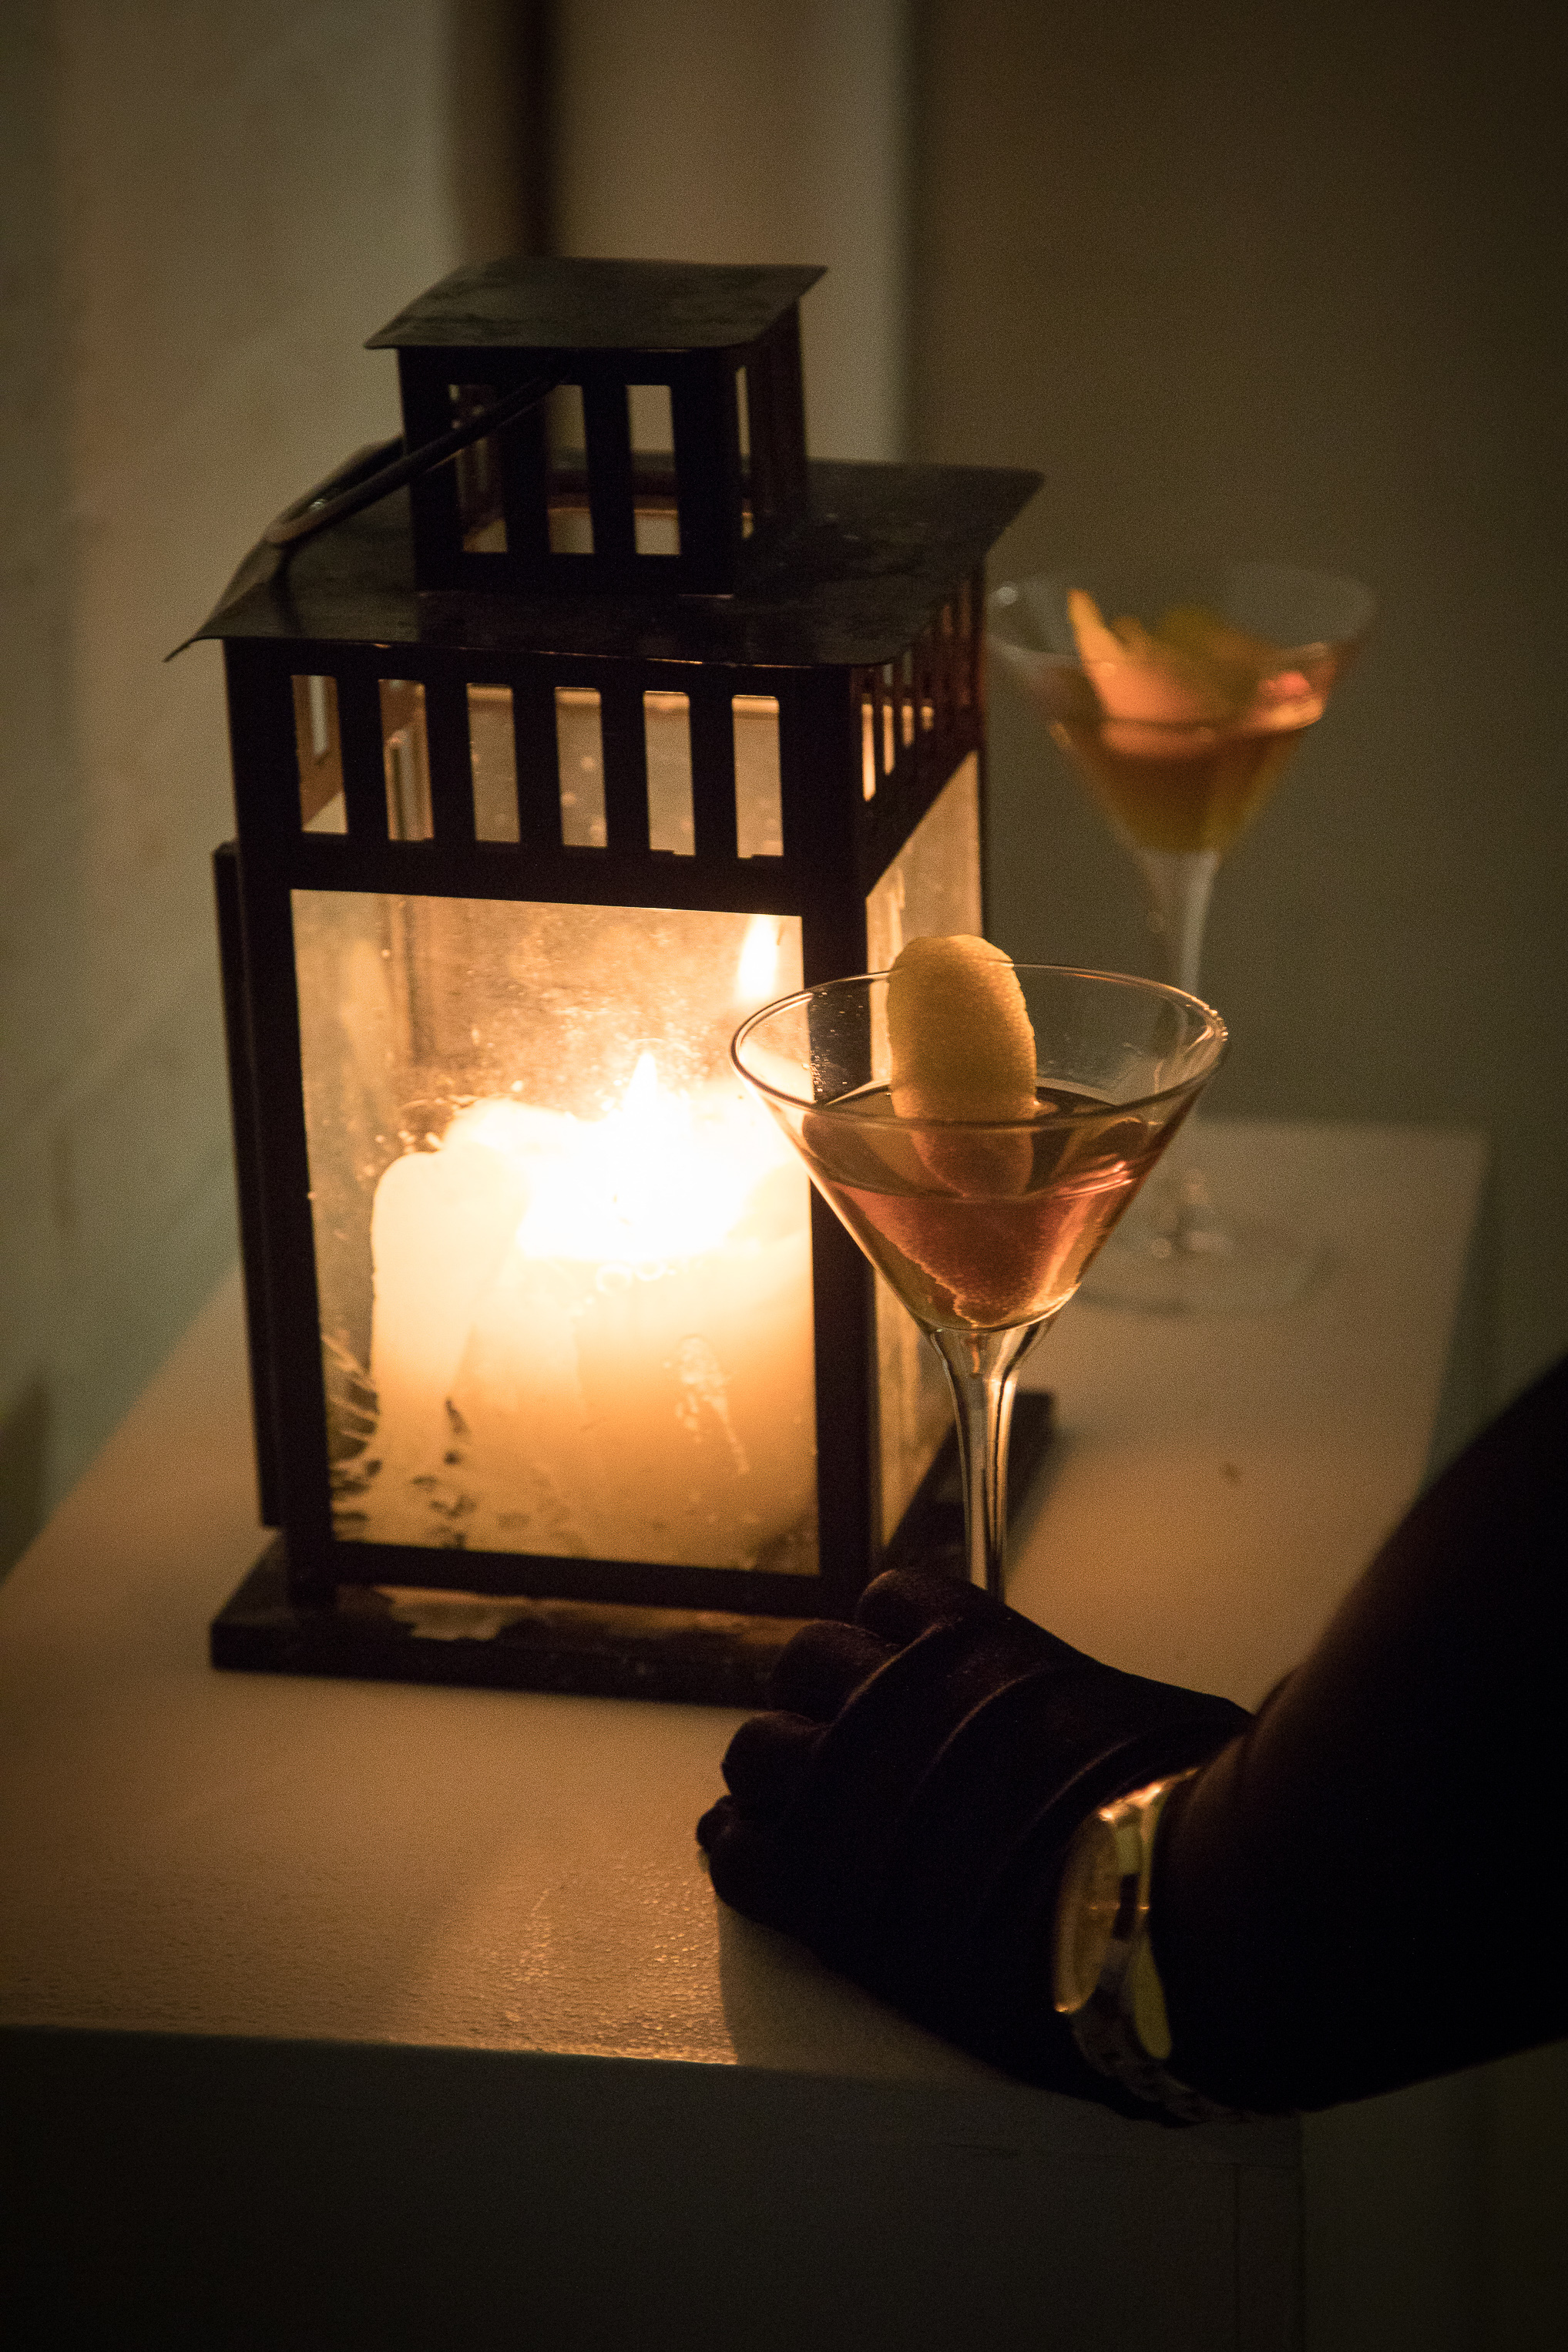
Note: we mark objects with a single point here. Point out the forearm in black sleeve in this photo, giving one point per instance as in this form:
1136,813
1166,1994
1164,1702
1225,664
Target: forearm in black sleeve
1359,1891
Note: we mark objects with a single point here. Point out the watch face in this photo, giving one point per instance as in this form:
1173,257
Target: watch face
1086,1910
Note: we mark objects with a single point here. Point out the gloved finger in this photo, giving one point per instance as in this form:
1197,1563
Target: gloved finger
712,1825
768,1758
823,1666
903,1602
749,1869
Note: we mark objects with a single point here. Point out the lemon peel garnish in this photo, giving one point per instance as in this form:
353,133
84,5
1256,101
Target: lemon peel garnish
962,1043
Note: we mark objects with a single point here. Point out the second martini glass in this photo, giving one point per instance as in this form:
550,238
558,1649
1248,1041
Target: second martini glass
984,1230
1179,722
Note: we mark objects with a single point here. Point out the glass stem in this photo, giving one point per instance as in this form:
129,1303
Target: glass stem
1178,883
1178,1203
981,1368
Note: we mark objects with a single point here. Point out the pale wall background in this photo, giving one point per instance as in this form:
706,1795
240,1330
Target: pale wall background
688,132
205,211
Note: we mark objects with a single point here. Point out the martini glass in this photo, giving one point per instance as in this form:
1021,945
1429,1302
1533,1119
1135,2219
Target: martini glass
984,1230
1180,742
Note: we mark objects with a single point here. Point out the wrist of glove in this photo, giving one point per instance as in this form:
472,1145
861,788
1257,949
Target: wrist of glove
906,1810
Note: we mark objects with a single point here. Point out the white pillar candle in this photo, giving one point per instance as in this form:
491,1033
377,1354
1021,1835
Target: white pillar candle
633,1378
440,1226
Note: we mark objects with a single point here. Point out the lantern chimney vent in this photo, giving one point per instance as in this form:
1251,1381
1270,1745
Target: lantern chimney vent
670,452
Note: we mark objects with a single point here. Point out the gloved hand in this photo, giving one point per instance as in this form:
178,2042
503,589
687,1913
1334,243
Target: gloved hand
907,1811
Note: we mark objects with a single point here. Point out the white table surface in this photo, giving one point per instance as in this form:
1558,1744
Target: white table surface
187,1850
191,1860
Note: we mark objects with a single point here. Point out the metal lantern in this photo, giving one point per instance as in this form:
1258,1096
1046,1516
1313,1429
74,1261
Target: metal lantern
548,770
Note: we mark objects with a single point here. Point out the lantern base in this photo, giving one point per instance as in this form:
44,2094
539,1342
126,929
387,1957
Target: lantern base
587,1648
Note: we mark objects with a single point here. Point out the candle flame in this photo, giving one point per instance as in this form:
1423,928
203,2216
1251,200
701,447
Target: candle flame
757,975
659,1178
642,1093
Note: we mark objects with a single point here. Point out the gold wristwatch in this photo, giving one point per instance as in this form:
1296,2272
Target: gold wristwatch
1105,1980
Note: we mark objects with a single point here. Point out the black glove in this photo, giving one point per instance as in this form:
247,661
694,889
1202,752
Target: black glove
907,1813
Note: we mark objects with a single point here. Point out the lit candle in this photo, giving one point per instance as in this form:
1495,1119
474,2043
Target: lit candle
596,1336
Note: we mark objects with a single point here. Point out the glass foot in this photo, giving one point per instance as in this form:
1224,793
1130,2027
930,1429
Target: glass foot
1175,1254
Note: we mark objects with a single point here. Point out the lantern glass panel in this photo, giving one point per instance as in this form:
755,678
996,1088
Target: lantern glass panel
759,789
319,750
931,886
580,752
656,520
493,758
667,737
405,760
570,523
563,1261
477,469
743,420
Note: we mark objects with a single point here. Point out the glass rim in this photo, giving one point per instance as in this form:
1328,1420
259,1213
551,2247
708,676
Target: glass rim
1213,1025
1007,596
1310,649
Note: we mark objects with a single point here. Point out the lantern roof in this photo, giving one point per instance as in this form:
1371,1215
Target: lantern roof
553,304
867,567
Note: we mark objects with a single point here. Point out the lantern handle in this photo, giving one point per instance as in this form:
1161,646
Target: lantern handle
357,483
336,497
